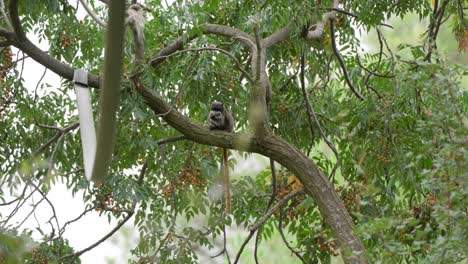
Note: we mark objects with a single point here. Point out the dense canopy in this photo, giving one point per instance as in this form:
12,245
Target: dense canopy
365,131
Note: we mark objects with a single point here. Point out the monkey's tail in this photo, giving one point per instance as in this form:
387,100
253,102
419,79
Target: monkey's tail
227,183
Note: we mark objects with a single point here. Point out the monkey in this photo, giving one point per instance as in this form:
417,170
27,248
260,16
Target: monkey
136,21
220,119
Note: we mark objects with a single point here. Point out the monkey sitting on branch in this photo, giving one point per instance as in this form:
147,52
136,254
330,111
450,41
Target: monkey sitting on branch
220,119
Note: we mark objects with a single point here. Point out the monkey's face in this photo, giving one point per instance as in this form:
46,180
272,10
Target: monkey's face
215,115
217,106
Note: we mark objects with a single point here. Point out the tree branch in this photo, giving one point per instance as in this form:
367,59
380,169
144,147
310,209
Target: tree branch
214,29
230,55
280,228
92,14
278,205
131,212
279,36
341,61
25,45
265,217
5,16
317,32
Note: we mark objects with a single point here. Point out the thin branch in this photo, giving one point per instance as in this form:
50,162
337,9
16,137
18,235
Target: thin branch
393,58
170,140
265,217
304,94
20,203
52,207
34,206
341,61
278,205
230,55
62,230
280,228
246,67
270,202
312,115
386,75
258,52
339,10
104,238
92,14
55,138
214,29
251,233
21,196
131,212
5,16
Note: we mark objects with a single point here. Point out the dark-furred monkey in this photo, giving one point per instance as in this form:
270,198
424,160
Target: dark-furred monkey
220,119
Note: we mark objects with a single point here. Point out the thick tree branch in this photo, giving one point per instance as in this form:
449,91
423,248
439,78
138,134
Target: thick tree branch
280,35
319,27
15,21
25,45
60,68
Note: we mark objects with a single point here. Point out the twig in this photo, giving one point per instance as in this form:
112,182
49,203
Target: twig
392,56
92,14
230,55
62,230
280,228
312,115
17,198
19,204
224,250
5,16
341,61
304,94
339,10
30,213
258,53
170,140
265,217
55,137
278,205
386,75
270,202
117,227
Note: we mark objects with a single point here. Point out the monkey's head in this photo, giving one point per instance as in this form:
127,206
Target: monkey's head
217,116
136,7
217,107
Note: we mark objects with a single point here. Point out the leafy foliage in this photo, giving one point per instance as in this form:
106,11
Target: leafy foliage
402,156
